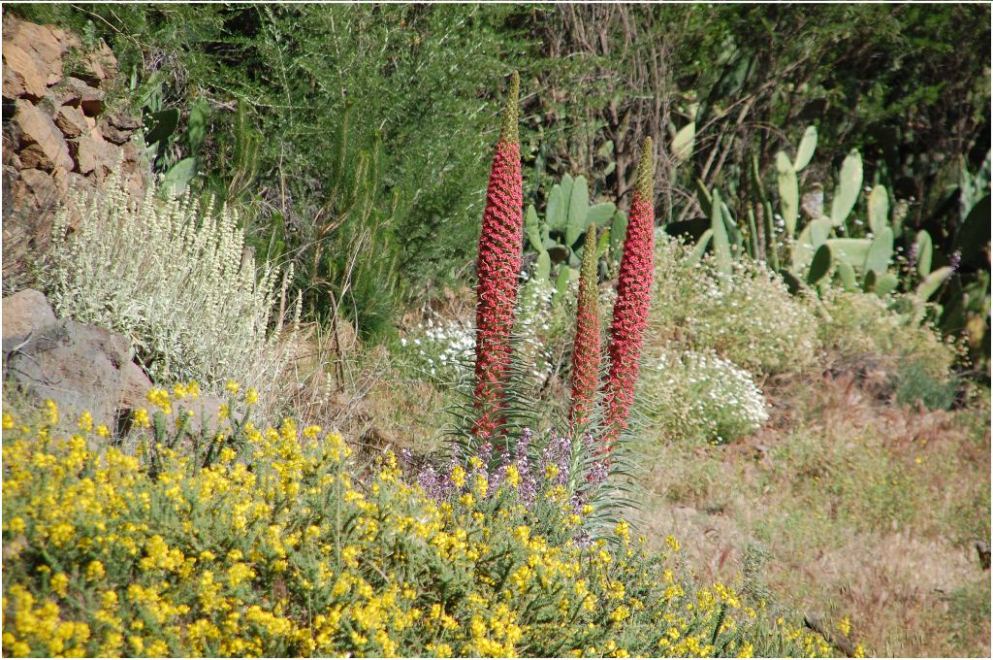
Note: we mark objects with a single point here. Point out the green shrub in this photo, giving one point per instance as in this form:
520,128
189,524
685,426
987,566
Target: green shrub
916,385
859,325
748,318
265,542
176,280
699,397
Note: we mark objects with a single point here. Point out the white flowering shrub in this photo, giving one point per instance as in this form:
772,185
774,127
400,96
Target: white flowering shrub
442,349
749,317
175,279
699,397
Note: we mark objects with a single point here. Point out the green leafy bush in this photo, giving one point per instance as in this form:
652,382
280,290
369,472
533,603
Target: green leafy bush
916,385
858,325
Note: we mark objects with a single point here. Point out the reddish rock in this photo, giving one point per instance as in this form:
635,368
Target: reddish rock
94,154
89,99
32,57
71,121
23,74
124,121
25,313
111,133
99,66
80,367
42,144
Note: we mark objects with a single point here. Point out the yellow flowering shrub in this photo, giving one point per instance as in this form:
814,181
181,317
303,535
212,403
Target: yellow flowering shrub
266,542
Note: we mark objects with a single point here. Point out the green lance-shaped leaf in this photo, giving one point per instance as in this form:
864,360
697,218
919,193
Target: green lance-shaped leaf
933,282
789,192
562,282
849,185
735,238
879,209
579,202
600,214
925,251
869,281
880,251
820,266
701,246
543,266
618,229
682,142
812,237
179,176
557,208
753,236
846,273
722,247
808,143
886,284
532,227
703,196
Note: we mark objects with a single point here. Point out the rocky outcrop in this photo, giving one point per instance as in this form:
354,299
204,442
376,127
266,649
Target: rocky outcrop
59,133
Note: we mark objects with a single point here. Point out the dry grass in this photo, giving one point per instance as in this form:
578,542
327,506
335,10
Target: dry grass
843,505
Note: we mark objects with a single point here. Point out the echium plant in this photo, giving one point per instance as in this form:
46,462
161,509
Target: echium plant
586,344
498,267
634,284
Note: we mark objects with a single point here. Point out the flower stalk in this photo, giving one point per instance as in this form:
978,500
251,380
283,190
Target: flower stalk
634,284
498,268
586,347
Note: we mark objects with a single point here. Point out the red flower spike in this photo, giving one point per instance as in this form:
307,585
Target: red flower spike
634,284
586,345
497,269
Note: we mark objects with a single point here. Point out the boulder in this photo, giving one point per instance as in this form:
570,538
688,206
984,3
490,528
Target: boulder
94,154
123,121
80,367
39,191
99,66
71,121
42,144
32,58
23,74
25,313
89,99
111,133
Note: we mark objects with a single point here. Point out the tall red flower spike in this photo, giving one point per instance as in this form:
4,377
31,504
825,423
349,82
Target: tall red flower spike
627,331
498,268
586,345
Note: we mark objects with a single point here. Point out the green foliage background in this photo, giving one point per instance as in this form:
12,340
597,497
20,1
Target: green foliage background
355,139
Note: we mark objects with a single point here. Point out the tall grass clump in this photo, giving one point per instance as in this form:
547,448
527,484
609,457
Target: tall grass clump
173,277
860,326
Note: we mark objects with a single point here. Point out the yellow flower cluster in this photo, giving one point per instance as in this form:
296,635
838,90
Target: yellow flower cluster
272,545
